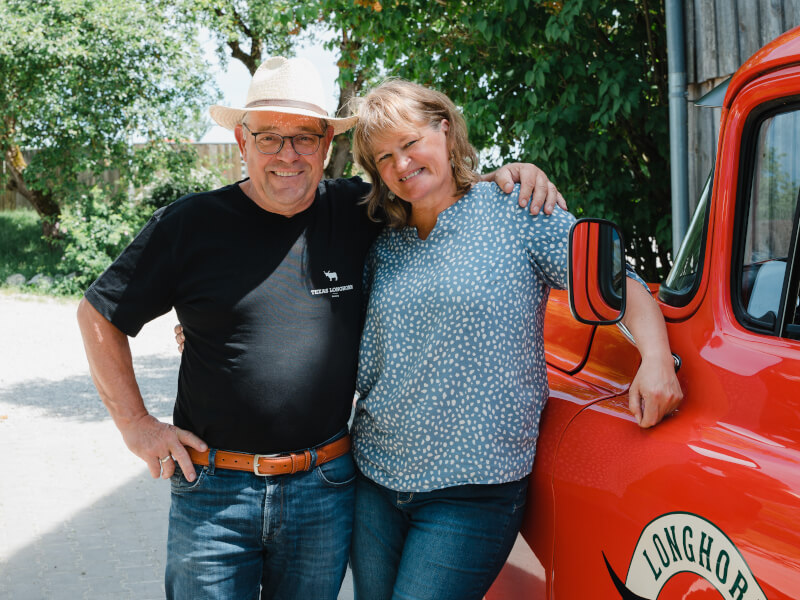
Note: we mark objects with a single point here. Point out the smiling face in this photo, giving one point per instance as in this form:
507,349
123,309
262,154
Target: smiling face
284,183
414,163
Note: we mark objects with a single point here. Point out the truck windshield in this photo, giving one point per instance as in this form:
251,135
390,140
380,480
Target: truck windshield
684,277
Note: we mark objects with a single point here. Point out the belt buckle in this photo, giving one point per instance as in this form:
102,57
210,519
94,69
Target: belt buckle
257,458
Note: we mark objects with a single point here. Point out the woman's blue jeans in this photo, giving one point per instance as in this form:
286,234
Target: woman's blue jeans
235,535
447,544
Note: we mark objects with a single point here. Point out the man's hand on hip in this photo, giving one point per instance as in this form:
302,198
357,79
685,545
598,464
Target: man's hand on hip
161,445
111,364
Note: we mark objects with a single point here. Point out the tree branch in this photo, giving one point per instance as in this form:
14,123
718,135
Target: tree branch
252,60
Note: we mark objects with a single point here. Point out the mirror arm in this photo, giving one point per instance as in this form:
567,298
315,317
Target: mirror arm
627,333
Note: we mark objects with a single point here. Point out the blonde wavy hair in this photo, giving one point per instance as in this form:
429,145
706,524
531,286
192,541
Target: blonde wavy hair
391,106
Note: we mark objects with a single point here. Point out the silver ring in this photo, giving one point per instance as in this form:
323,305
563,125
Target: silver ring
165,459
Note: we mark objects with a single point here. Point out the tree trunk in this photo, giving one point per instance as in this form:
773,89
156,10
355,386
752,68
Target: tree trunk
253,59
341,155
43,203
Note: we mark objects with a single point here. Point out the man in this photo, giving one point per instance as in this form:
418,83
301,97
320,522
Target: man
265,276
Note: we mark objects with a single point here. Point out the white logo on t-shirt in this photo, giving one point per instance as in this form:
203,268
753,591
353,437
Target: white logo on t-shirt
333,292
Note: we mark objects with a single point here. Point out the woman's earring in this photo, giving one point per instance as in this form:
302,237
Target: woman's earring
391,195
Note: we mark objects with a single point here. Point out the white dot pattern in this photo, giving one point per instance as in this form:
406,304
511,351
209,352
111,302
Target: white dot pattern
452,377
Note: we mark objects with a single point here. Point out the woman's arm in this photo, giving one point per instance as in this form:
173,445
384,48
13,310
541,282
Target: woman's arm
655,391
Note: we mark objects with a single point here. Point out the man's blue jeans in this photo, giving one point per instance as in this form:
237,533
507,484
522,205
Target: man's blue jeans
235,535
446,544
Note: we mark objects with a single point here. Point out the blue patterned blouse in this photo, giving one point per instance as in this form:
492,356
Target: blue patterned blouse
452,376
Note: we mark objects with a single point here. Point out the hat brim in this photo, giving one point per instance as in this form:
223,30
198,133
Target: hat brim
229,118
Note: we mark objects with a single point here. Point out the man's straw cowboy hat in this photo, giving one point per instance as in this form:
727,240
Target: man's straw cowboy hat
283,85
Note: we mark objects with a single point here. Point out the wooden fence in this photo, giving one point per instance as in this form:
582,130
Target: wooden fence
224,158
10,200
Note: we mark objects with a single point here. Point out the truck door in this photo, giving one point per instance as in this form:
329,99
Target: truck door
707,501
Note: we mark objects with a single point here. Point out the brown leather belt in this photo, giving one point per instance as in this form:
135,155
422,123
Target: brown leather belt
273,464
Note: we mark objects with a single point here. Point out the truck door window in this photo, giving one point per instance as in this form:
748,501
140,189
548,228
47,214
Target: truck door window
770,226
794,326
684,277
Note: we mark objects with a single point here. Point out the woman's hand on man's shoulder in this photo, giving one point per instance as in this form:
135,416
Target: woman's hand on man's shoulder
537,192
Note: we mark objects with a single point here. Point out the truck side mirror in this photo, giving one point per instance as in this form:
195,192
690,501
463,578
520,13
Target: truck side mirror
596,272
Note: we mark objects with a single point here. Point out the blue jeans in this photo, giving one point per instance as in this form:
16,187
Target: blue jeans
235,535
447,544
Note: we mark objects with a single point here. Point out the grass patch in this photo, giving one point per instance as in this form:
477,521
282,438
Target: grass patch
22,248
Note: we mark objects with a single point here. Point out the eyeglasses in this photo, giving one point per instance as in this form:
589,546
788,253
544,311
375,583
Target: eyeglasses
272,143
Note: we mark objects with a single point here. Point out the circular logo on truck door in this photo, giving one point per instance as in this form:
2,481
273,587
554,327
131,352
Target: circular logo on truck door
676,545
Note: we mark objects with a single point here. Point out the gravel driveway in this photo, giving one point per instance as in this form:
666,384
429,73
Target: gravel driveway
80,516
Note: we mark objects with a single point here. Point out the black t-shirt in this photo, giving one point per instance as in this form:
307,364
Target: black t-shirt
271,309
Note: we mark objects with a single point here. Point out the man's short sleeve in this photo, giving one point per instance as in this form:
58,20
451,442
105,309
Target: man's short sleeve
138,286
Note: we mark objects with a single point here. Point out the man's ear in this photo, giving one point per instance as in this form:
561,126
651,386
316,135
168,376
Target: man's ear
327,147
329,134
241,140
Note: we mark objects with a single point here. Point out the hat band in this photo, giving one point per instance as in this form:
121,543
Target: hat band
289,104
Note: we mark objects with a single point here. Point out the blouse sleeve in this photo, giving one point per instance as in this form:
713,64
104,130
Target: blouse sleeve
547,242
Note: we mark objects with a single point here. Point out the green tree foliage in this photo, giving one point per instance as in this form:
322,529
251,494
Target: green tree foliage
578,87
81,81
251,30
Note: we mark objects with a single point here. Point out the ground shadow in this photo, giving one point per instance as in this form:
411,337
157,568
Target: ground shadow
114,548
76,397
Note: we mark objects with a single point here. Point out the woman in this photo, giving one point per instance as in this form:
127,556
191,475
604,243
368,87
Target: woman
452,375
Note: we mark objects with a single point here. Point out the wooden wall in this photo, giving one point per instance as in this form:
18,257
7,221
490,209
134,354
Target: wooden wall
720,36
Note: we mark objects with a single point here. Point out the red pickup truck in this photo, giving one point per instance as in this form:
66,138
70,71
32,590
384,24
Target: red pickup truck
707,503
